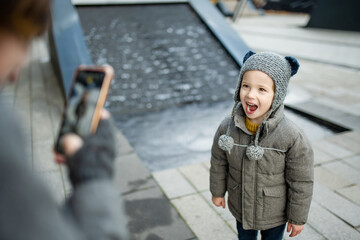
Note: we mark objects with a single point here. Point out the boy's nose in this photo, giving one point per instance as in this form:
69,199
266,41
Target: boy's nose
251,93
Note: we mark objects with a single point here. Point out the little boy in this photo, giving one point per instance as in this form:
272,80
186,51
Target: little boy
262,159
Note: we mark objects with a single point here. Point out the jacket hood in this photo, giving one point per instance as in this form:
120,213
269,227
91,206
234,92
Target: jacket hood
268,124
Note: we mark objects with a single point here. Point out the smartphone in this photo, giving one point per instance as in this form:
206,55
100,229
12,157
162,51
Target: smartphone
85,101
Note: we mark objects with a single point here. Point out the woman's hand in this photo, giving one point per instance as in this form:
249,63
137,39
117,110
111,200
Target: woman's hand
72,142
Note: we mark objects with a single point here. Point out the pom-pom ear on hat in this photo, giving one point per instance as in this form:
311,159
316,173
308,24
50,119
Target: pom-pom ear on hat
294,64
247,55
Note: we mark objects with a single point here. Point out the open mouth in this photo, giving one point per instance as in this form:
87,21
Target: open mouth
251,108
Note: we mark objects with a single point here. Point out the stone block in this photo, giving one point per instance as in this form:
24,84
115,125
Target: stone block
330,179
202,219
207,164
223,212
197,175
354,135
336,204
41,122
124,147
345,171
131,175
333,149
151,216
345,141
321,156
352,193
173,183
232,224
353,161
330,226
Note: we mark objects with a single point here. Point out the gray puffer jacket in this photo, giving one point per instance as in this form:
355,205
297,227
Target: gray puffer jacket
269,192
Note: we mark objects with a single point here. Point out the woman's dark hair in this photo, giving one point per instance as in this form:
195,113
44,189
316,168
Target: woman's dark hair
25,18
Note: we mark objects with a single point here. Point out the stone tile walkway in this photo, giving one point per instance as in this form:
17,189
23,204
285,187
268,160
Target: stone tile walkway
334,213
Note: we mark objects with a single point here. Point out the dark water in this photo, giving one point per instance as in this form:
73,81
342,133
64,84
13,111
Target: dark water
163,56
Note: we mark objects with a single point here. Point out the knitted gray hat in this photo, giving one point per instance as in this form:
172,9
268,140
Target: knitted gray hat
280,69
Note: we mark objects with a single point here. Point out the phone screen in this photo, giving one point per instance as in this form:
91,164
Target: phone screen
81,104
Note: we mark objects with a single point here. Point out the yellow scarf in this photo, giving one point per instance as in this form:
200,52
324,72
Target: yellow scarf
252,127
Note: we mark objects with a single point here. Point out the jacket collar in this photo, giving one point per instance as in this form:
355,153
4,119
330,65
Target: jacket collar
269,124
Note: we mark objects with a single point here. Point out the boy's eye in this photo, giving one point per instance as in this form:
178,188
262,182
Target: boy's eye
245,85
262,90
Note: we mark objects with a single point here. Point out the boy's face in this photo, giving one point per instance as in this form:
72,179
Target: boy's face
256,95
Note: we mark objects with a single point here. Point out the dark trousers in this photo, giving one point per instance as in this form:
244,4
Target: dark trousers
275,233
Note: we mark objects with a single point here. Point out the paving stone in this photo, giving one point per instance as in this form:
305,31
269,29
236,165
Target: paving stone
321,156
335,203
330,179
333,149
345,171
232,224
55,99
202,219
329,225
352,193
353,161
223,212
53,181
346,142
207,164
41,122
151,216
131,175
43,157
307,234
197,175
124,146
173,183
23,85
354,135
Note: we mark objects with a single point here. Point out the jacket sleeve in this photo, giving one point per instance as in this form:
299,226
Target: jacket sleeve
28,210
219,164
299,176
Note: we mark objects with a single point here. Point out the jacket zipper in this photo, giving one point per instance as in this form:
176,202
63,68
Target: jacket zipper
255,193
255,188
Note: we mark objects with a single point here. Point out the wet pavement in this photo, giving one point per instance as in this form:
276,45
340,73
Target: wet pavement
182,136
